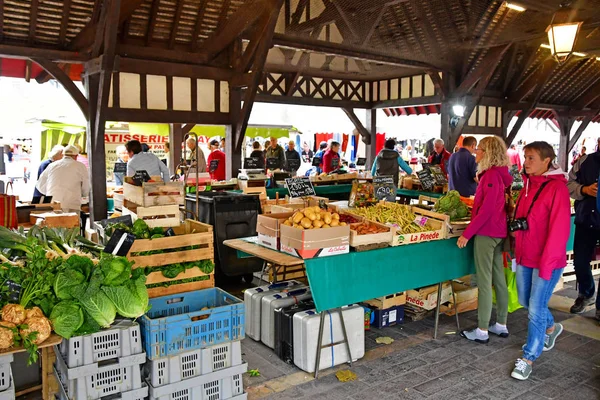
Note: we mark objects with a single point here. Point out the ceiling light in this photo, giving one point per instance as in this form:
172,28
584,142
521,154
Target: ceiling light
562,33
515,7
545,46
597,58
458,110
575,53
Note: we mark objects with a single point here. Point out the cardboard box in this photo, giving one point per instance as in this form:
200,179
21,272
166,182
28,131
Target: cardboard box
311,243
297,204
388,317
381,303
267,227
426,297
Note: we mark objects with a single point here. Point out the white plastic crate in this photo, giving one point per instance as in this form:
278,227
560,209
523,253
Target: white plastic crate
167,370
121,340
136,394
5,375
96,381
9,392
220,385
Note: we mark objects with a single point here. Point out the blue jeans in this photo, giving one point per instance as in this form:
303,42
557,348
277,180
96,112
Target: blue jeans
534,294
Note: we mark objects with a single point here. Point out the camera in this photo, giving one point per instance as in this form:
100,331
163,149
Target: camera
518,224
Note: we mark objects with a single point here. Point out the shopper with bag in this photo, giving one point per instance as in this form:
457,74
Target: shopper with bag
488,228
541,229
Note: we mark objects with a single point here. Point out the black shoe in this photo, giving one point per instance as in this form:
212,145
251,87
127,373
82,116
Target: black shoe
598,315
581,303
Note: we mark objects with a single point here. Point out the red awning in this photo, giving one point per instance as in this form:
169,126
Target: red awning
413,110
13,68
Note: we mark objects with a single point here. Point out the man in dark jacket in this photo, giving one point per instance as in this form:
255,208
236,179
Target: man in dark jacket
291,154
462,168
275,151
388,160
583,186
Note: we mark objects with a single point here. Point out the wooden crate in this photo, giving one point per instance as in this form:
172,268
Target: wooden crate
437,230
155,217
52,220
455,228
358,241
382,303
189,233
155,194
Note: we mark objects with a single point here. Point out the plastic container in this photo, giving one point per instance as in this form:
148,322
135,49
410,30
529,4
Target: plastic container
136,394
9,392
270,303
5,372
306,336
233,216
177,323
169,370
220,385
121,340
91,382
252,302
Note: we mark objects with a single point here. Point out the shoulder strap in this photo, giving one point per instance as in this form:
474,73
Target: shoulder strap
537,194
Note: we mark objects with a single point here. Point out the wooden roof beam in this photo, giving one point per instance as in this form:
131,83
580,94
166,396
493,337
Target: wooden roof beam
536,81
588,97
24,53
584,124
484,71
364,132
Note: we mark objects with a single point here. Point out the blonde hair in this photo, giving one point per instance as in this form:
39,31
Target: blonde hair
494,153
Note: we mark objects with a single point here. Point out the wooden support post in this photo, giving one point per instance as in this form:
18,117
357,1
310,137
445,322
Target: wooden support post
565,123
446,130
372,128
579,132
232,155
175,140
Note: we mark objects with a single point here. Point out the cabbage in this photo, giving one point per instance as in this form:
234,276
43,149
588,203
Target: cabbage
67,318
130,299
64,281
95,302
116,270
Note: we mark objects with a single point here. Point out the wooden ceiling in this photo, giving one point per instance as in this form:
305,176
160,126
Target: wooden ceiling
356,39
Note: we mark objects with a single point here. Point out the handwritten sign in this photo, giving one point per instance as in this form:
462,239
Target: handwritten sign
214,164
438,175
385,188
293,164
13,291
316,161
126,219
120,168
140,177
273,163
120,243
335,163
362,161
300,187
252,163
426,179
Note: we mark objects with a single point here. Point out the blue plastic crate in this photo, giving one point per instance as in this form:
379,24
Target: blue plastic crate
177,323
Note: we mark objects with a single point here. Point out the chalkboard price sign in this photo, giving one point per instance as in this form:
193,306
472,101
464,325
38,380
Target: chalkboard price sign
426,179
120,243
362,161
126,219
438,175
140,177
252,163
293,164
214,164
273,163
335,163
316,161
120,168
385,189
300,187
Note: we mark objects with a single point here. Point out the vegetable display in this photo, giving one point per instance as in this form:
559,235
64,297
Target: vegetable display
451,205
392,214
367,228
362,195
314,218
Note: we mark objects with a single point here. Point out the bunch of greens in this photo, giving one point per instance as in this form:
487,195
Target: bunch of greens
92,296
450,204
140,230
172,270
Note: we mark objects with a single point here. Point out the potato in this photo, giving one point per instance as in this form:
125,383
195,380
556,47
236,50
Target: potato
288,222
318,224
306,223
319,216
327,219
298,217
335,222
311,216
299,227
335,216
317,209
343,224
326,226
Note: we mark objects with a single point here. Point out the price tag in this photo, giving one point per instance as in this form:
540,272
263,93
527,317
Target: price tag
273,163
361,161
14,291
120,168
140,177
214,164
421,221
426,179
438,175
316,161
335,163
120,243
385,189
126,219
300,187
293,164
252,163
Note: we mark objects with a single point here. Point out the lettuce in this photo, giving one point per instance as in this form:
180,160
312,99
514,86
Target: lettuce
95,302
130,299
116,270
64,281
67,318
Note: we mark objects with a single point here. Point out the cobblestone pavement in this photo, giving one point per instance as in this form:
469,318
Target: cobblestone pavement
417,367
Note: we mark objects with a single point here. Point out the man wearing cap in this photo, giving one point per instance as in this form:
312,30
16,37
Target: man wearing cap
55,154
216,161
67,181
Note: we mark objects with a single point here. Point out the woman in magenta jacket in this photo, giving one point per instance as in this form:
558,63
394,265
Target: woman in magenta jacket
488,228
541,230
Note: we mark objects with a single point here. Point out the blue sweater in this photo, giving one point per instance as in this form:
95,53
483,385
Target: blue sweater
462,170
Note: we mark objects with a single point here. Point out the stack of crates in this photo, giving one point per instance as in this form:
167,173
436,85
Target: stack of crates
193,345
7,384
103,364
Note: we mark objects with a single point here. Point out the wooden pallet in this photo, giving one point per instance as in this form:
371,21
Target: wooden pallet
381,303
155,194
569,271
190,233
155,217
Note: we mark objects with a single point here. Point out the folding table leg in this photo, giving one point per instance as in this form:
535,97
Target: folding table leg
437,310
345,335
455,309
319,344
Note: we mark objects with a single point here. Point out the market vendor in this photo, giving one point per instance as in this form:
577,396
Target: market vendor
216,162
55,154
275,151
319,155
291,154
140,161
439,156
331,158
388,160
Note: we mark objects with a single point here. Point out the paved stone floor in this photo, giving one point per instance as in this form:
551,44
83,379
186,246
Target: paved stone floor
417,367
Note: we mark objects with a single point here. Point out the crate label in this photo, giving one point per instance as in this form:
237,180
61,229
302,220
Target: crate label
267,241
421,221
331,251
393,315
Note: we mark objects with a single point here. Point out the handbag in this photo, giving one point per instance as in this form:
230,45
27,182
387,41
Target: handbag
8,211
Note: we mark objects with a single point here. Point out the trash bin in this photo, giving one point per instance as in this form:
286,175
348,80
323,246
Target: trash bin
232,216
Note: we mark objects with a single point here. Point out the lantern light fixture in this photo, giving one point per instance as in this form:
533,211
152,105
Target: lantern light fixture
562,33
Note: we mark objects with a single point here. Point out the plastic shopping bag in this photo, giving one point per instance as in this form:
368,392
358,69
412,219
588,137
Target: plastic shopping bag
513,295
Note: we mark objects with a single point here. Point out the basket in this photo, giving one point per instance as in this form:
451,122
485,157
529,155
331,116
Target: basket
224,384
177,323
168,370
121,340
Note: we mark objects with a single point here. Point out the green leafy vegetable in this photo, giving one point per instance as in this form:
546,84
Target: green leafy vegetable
65,281
451,205
89,325
140,229
67,318
94,301
171,271
130,299
116,270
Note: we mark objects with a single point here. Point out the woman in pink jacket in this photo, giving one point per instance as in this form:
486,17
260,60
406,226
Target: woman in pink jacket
541,230
488,227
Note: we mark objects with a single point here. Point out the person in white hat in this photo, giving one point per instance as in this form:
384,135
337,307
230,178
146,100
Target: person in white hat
67,181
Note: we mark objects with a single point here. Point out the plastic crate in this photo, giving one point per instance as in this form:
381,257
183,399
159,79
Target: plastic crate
9,392
136,394
5,372
121,340
96,381
167,370
220,385
176,324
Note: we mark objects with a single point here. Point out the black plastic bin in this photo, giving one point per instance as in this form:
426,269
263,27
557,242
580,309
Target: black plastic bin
232,216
